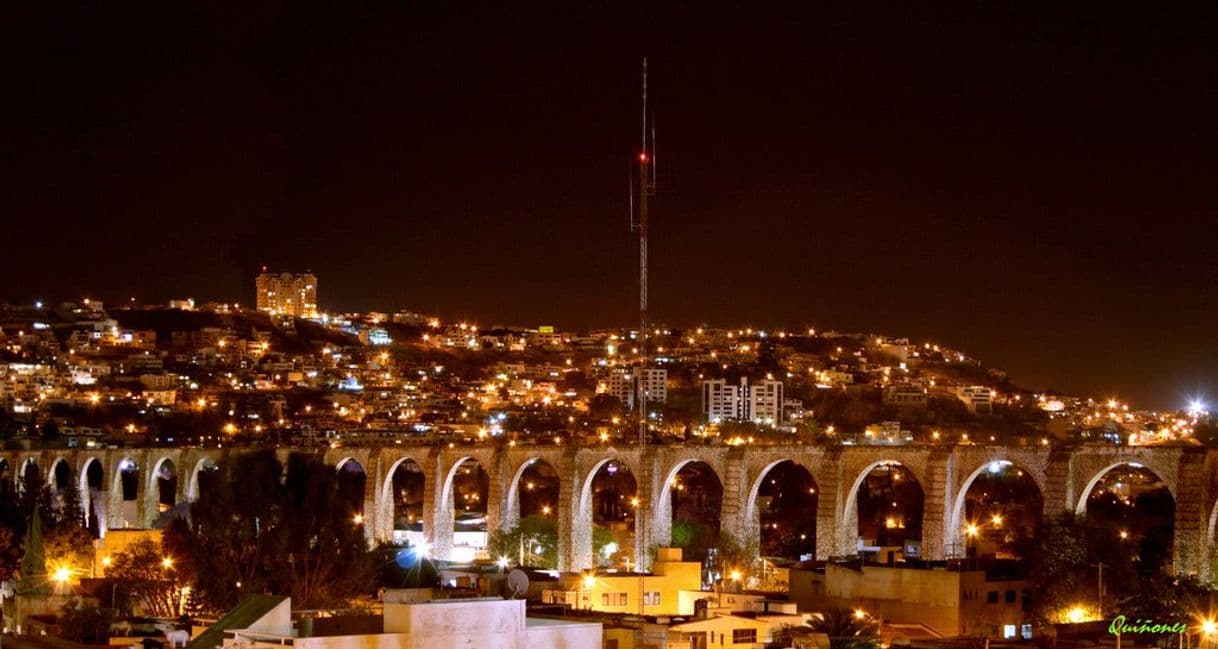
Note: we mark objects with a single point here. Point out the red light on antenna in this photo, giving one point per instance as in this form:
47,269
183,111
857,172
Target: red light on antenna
643,157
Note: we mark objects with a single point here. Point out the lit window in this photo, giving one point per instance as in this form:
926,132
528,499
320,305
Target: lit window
1008,631
744,636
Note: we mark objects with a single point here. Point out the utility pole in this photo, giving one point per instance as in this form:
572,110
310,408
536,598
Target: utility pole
1100,589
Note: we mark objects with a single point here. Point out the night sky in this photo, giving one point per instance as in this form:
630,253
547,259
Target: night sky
1030,183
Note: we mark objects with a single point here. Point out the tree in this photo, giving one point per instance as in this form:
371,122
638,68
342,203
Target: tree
847,630
10,554
604,406
253,532
733,555
325,560
71,509
1058,567
33,494
69,546
531,542
146,575
33,562
231,539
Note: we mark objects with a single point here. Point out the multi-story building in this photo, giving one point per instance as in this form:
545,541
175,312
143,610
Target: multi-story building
655,385
978,398
905,395
720,400
760,403
764,405
621,384
670,589
951,600
287,294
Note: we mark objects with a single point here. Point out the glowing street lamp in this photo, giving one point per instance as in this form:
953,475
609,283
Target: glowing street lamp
423,550
1076,615
62,575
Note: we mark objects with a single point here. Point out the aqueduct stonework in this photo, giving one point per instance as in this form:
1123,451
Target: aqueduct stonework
1064,476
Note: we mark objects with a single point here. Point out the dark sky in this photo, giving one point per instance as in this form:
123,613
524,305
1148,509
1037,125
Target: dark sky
1030,182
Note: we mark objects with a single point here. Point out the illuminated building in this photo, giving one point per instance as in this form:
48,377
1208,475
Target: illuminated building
655,386
287,294
720,401
949,600
977,398
764,405
670,589
760,403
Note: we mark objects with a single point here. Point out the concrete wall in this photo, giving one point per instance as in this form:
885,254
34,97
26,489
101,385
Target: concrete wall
374,641
949,602
481,624
545,634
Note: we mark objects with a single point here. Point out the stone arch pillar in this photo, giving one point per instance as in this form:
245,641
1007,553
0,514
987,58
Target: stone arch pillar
149,500
1059,494
936,504
443,516
494,497
1189,553
368,509
828,482
734,518
433,478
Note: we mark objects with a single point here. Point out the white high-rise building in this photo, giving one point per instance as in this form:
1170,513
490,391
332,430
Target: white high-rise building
765,403
760,403
720,400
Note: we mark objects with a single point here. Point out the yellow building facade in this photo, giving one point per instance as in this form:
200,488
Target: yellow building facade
654,593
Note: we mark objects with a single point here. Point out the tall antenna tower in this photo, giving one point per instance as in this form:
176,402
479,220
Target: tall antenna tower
647,189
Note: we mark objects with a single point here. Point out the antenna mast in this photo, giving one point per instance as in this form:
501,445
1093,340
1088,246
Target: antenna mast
647,189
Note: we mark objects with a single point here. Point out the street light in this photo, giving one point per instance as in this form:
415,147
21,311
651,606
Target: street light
62,575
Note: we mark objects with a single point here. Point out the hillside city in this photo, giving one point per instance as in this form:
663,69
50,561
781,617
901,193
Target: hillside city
283,372
216,476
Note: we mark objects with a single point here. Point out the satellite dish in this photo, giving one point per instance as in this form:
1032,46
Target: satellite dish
518,582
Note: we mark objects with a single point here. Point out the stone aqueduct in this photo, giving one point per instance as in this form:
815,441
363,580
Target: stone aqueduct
1064,477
